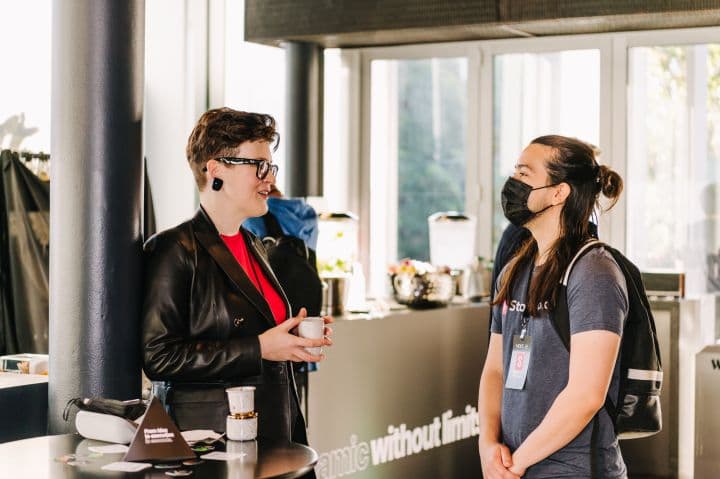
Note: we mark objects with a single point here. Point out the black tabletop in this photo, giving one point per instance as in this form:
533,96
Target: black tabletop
47,457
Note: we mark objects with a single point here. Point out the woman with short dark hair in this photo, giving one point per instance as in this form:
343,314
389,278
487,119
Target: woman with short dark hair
537,401
214,315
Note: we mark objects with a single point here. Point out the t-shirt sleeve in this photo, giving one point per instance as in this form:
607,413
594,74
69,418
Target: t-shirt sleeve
496,311
597,294
496,319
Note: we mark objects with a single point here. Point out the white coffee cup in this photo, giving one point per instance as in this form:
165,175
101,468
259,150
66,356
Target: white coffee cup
312,327
241,399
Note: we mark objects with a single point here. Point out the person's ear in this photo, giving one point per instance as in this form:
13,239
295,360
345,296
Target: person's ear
561,193
212,167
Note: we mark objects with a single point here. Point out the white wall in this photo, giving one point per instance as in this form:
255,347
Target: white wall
175,96
254,77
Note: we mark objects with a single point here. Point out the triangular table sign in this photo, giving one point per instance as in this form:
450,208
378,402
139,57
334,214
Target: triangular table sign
157,438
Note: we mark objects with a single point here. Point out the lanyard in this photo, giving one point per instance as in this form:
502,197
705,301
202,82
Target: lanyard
524,325
526,314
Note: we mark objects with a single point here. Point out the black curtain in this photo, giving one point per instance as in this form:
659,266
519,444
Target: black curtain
25,255
24,265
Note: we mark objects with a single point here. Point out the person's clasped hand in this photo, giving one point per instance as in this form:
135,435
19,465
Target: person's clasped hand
496,462
281,344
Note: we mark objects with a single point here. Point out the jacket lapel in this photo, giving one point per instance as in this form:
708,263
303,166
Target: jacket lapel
207,235
257,249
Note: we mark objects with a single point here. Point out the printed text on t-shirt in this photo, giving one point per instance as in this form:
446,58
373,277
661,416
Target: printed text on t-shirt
516,305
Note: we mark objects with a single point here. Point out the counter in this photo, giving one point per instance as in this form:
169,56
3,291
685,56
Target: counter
397,395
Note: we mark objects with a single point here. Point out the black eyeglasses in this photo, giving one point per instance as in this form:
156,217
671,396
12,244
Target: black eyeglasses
263,166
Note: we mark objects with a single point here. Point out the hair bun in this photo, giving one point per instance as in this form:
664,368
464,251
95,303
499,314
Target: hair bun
611,184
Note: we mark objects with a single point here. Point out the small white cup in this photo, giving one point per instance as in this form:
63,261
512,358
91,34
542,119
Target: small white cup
241,399
312,327
241,429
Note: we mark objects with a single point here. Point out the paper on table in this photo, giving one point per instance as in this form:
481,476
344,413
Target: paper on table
126,466
196,435
111,449
223,456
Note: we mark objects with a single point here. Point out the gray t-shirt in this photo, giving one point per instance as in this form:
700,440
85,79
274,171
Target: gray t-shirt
597,300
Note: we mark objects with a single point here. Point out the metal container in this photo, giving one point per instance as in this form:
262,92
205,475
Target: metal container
423,290
479,280
335,294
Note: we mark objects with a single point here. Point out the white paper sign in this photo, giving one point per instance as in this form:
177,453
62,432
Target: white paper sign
205,435
112,449
223,456
126,466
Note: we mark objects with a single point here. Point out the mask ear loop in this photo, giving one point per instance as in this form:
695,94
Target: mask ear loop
536,213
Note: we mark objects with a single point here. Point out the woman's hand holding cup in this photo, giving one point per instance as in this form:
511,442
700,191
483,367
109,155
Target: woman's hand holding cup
279,344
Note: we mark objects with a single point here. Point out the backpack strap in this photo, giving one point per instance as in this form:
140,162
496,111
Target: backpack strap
560,317
272,225
581,252
274,231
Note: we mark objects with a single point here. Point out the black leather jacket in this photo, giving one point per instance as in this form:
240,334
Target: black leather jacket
201,320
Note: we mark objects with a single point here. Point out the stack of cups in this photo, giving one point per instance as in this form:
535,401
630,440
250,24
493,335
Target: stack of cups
241,424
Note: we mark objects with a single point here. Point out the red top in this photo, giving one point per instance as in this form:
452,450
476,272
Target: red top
249,264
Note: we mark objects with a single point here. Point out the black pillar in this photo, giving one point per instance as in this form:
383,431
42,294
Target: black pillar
304,119
96,194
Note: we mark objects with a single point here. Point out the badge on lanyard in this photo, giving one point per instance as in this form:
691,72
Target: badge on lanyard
519,359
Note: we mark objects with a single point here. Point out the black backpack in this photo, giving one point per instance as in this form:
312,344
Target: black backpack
641,374
294,265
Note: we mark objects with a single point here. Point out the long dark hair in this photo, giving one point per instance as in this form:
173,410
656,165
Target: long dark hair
572,162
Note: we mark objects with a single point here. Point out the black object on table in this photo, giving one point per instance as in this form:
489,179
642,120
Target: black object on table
40,458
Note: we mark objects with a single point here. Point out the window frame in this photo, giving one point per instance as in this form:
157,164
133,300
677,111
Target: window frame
468,50
614,52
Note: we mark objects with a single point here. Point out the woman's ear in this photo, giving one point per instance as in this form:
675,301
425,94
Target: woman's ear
212,167
561,193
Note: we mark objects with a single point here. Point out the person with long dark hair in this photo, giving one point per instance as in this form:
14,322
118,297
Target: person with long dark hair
540,406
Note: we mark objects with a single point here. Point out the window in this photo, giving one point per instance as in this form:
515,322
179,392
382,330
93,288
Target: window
674,161
536,94
25,84
417,154
336,174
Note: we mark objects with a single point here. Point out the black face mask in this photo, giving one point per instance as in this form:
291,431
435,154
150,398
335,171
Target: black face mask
514,197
